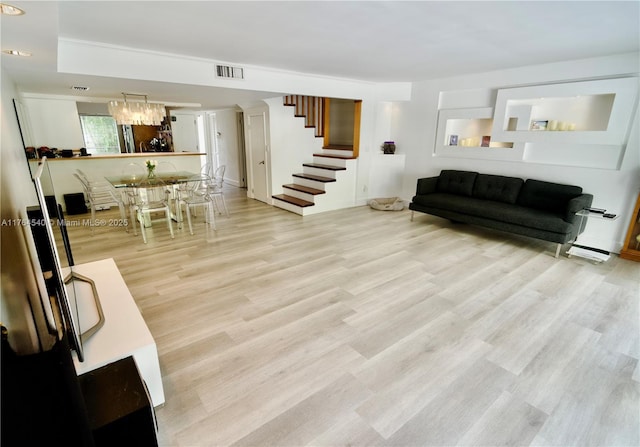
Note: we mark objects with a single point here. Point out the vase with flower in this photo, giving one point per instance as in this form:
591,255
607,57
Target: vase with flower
151,168
388,147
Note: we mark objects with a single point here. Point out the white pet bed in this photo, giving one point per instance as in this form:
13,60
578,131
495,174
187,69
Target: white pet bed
387,204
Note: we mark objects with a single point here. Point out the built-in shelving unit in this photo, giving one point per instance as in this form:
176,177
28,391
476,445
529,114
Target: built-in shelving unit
576,124
461,133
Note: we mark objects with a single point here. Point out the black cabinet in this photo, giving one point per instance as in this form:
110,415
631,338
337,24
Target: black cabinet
118,405
41,399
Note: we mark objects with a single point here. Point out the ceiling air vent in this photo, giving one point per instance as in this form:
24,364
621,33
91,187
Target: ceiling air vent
226,71
79,88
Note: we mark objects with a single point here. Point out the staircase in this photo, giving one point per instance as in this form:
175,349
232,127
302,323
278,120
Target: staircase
329,181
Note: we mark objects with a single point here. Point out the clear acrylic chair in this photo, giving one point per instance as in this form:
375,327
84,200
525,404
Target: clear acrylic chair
152,196
100,195
132,173
197,193
168,168
207,169
216,190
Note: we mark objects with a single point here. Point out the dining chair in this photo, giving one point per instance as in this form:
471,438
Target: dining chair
194,193
100,195
152,196
133,173
207,169
216,190
166,167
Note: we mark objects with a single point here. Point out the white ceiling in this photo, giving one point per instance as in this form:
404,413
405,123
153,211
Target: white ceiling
375,41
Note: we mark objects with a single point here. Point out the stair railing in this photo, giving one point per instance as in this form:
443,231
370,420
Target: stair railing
311,108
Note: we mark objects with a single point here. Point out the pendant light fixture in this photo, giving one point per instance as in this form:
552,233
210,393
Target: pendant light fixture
137,113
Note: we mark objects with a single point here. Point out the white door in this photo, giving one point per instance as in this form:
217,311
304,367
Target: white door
257,154
184,129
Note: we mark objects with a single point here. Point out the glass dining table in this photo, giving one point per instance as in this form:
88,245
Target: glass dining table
169,178
132,183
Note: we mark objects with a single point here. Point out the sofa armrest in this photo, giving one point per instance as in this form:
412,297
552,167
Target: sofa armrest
426,185
576,204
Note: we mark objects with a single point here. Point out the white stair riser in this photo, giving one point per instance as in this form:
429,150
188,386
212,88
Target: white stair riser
321,172
299,194
330,161
289,206
309,183
337,152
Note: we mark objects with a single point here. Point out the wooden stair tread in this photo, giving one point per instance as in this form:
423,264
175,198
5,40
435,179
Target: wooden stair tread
340,157
339,147
317,178
327,167
293,200
303,188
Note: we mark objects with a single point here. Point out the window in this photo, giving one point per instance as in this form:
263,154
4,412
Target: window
100,134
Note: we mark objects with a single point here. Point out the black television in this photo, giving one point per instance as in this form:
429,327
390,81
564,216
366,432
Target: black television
49,229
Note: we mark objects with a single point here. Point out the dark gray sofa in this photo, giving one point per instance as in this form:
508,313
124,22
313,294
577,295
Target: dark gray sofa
533,208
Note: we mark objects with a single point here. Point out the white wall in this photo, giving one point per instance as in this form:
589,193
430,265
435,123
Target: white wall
19,281
97,59
414,128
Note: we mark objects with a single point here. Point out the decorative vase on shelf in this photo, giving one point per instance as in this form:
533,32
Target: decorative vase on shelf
151,173
389,147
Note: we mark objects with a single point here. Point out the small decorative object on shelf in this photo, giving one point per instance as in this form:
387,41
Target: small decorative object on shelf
389,147
539,125
151,168
486,141
453,140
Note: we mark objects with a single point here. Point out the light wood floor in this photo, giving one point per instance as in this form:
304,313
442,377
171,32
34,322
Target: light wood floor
360,327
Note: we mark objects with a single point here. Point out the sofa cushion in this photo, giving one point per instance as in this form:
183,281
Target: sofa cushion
547,196
497,188
497,211
456,182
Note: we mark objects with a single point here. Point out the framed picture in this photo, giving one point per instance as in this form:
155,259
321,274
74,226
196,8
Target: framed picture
453,140
486,140
539,125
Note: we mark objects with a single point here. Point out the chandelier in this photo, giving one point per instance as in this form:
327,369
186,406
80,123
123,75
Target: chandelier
137,113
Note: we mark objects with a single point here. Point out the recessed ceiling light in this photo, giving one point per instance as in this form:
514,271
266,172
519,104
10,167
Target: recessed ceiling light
10,10
17,53
79,88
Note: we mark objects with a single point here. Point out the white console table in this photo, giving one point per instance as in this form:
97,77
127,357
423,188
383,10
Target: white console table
124,332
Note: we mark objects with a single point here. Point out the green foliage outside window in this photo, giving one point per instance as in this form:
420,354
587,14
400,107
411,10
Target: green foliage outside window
100,134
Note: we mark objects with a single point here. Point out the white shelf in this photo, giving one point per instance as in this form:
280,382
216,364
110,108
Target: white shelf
600,110
471,125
